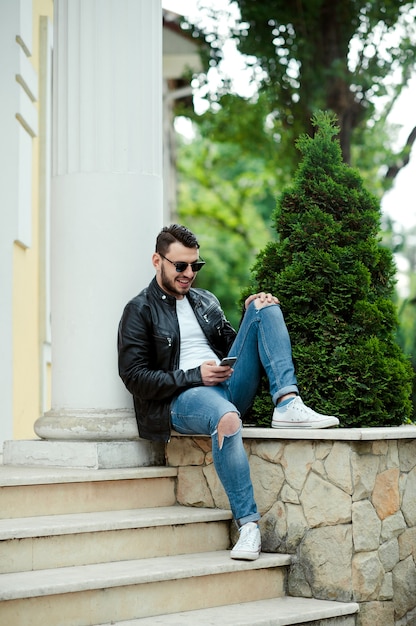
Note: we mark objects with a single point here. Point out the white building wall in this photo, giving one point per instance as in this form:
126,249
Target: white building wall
18,120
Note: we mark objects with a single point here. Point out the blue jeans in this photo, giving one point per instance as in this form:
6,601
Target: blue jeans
262,341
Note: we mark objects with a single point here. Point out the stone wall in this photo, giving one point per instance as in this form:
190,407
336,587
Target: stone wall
342,501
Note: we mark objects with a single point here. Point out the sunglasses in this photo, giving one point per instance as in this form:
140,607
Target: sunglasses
181,266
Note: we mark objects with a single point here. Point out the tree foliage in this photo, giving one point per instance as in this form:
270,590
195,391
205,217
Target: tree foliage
405,246
227,195
351,57
336,284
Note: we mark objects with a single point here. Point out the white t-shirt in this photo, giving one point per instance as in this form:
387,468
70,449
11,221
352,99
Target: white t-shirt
194,345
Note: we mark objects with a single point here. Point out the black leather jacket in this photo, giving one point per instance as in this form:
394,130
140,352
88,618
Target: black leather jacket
148,348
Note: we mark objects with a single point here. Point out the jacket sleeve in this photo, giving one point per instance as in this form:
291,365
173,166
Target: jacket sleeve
144,358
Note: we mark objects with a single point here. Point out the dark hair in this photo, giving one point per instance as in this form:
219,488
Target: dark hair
172,233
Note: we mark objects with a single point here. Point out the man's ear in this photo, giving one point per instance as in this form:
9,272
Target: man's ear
156,260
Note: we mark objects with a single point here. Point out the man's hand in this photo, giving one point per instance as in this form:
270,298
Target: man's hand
262,298
213,374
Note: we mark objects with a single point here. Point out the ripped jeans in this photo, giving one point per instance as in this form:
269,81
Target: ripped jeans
262,341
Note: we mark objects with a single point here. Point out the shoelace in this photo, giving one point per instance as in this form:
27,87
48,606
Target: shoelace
302,409
247,538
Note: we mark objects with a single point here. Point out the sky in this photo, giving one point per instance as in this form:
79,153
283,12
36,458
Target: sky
400,202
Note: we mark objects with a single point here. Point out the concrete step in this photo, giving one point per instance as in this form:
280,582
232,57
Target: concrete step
46,542
285,611
109,592
33,491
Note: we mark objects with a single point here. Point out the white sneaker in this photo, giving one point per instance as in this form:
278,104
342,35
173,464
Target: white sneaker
249,544
297,415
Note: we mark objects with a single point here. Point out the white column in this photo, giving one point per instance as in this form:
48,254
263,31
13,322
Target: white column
106,203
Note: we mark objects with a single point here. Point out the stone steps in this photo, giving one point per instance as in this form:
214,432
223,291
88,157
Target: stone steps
32,491
92,594
37,543
88,547
284,611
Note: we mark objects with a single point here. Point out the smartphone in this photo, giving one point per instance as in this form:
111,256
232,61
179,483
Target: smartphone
229,360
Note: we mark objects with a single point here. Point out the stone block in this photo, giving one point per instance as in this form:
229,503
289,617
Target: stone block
273,527
271,451
298,585
385,496
297,460
380,448
323,503
389,554
386,591
338,466
407,455
296,526
404,587
409,499
367,576
393,526
364,472
289,495
366,526
192,488
407,620
326,555
267,479
322,449
214,485
407,544
181,451
376,614
392,456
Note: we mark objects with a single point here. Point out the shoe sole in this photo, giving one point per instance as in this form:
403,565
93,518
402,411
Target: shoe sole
245,556
322,424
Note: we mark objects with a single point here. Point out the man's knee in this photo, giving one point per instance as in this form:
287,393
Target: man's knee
228,425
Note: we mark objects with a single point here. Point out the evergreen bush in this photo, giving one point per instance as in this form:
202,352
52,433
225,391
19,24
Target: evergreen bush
335,282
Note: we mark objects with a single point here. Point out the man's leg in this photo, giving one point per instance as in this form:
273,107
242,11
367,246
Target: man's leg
207,410
263,339
262,342
248,546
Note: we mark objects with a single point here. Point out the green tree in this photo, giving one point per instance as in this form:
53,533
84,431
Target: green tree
406,332
352,57
336,284
226,196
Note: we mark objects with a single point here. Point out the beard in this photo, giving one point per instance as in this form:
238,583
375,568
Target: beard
174,286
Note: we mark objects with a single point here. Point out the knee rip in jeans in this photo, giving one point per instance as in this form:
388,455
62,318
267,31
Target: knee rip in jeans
225,436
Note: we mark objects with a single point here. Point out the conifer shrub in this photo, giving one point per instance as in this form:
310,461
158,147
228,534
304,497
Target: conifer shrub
335,282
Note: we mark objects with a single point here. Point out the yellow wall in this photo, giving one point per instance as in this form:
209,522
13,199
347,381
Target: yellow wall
27,333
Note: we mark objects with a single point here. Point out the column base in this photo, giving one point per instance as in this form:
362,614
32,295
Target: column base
87,425
84,454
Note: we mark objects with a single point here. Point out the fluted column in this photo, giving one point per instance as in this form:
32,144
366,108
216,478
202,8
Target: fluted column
106,203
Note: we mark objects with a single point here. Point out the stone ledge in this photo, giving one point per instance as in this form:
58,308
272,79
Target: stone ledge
12,475
329,434
83,454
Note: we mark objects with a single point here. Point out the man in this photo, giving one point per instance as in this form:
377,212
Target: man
171,339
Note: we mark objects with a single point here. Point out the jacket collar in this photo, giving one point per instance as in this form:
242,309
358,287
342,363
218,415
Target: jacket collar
158,293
